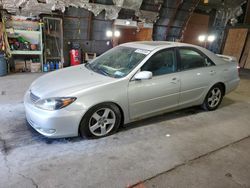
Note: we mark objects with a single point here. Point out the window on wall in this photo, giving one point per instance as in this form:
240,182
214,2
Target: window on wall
191,59
163,62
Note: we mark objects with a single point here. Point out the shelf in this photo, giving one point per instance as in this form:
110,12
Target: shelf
53,39
22,31
25,52
53,57
18,28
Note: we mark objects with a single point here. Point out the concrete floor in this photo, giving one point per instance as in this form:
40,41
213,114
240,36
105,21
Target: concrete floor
188,148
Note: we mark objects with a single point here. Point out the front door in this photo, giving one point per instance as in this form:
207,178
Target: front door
159,93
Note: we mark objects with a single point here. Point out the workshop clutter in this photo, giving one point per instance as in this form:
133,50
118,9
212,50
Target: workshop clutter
20,43
23,23
24,43
30,65
52,65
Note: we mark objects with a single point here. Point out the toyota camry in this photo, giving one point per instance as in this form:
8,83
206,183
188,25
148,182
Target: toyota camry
127,83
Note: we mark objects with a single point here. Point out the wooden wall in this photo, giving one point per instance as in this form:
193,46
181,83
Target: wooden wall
127,35
245,58
246,54
144,34
235,42
247,14
130,35
197,25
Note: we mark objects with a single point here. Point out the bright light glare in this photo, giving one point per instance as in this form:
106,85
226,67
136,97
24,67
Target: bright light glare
211,38
202,38
117,33
109,33
127,22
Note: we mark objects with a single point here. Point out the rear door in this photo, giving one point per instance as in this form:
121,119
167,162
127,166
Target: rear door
197,72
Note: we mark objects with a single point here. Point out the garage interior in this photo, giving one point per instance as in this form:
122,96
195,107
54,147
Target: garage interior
185,148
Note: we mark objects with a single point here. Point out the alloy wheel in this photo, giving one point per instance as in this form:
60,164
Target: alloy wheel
102,122
214,97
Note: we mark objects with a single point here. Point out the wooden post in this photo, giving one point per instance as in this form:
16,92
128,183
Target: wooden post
90,18
247,15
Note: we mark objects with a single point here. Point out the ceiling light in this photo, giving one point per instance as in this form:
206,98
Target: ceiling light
127,22
202,38
109,33
117,34
211,38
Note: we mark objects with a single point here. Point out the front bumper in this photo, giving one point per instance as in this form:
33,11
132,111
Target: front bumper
52,124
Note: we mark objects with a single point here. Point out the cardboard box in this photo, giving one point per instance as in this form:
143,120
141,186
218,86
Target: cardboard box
35,67
28,65
19,65
89,56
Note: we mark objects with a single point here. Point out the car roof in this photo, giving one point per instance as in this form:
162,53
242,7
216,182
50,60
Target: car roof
152,45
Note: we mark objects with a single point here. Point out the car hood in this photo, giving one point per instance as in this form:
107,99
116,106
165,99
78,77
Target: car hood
67,82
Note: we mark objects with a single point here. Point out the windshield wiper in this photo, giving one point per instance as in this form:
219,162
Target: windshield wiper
88,66
98,70
104,72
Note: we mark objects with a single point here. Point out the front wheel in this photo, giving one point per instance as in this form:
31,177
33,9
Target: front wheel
213,98
100,121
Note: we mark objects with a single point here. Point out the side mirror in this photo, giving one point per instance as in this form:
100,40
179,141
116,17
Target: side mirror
143,75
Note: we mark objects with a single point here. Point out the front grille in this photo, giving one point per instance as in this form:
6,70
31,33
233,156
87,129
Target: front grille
33,97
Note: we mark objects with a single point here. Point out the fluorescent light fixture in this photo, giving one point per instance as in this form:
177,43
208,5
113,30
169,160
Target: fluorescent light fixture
117,33
202,38
127,22
109,33
211,38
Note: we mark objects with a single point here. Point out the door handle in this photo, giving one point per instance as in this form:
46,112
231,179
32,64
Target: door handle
212,72
174,80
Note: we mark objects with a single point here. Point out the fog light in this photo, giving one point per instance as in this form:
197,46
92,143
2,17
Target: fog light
47,131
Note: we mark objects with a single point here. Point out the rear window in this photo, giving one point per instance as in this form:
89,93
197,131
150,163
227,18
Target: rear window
191,59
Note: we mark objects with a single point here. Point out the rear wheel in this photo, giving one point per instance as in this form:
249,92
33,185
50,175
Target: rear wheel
213,98
100,121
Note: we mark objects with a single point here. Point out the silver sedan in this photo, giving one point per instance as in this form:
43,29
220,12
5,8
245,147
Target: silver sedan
129,82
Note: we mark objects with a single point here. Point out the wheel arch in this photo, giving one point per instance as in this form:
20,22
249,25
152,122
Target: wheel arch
106,102
222,85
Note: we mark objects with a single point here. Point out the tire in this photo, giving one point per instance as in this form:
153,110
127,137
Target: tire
213,98
100,121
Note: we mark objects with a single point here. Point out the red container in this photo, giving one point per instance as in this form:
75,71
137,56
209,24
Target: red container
75,57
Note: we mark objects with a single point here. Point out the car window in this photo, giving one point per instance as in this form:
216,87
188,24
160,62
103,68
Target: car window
191,59
162,62
118,62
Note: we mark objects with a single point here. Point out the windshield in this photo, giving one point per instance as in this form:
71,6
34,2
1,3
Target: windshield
118,62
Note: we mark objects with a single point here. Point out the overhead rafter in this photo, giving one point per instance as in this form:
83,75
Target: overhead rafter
187,20
171,21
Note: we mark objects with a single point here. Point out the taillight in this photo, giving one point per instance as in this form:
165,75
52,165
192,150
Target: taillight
238,67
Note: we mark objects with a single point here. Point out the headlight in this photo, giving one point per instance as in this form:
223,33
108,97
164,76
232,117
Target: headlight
54,103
